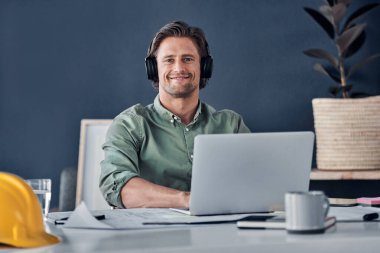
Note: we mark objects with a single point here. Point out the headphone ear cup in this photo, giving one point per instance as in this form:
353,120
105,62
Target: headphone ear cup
151,68
206,66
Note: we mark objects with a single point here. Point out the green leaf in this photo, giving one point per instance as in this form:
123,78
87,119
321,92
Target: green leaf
319,68
338,12
347,88
322,54
327,11
330,2
355,45
364,9
361,63
322,21
346,2
348,36
334,90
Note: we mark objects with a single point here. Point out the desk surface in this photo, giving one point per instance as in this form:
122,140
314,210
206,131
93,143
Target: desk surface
345,237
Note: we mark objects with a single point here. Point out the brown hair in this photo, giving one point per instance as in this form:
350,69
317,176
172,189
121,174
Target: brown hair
180,29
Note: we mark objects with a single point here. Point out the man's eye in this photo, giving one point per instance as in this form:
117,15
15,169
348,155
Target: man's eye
169,60
188,59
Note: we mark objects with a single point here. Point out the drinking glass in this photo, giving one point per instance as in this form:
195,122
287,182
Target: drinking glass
42,188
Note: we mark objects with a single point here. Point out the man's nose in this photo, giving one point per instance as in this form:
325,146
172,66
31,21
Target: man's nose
179,66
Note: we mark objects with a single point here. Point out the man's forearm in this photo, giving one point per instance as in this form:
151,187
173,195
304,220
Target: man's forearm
142,193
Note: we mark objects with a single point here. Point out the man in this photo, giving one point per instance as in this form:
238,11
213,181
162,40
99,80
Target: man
148,150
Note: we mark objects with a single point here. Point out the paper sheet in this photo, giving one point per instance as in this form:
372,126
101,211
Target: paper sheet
354,213
82,218
138,218
142,218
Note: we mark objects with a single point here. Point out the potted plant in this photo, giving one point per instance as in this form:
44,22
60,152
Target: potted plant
348,126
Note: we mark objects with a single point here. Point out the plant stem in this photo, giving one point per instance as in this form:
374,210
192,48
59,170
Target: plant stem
343,81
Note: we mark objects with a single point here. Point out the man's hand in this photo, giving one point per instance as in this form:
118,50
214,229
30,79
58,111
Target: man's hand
138,192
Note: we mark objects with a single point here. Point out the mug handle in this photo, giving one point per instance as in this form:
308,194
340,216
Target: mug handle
326,205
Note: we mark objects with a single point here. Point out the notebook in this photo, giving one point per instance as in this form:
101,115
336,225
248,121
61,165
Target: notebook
246,173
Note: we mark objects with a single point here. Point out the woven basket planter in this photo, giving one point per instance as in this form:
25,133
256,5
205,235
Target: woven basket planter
347,133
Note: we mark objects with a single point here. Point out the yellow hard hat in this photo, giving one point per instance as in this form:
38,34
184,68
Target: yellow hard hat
21,215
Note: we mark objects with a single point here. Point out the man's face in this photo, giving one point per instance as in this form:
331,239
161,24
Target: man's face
178,64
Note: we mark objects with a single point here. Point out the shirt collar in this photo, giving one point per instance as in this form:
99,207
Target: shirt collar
166,114
199,110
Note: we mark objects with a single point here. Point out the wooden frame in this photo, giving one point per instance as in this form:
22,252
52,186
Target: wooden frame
92,136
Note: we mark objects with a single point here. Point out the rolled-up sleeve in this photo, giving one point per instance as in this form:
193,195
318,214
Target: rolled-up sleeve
120,162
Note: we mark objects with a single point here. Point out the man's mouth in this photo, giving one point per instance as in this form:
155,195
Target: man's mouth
179,77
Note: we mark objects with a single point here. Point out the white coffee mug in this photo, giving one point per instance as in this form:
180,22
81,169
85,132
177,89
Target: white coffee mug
306,211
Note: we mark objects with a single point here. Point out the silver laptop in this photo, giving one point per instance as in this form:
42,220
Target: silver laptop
245,173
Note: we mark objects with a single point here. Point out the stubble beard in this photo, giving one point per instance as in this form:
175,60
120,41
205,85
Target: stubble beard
184,91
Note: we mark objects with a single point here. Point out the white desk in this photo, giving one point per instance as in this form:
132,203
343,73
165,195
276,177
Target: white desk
346,237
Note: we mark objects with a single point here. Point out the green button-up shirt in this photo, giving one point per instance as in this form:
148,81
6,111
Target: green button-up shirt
152,143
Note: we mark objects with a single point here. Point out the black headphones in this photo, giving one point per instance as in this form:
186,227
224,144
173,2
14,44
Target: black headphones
152,71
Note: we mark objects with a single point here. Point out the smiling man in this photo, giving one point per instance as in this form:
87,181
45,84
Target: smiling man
148,149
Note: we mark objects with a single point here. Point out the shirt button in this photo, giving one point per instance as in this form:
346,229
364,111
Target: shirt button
192,156
187,130
172,121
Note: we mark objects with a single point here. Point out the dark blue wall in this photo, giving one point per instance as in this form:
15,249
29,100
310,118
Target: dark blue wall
61,61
